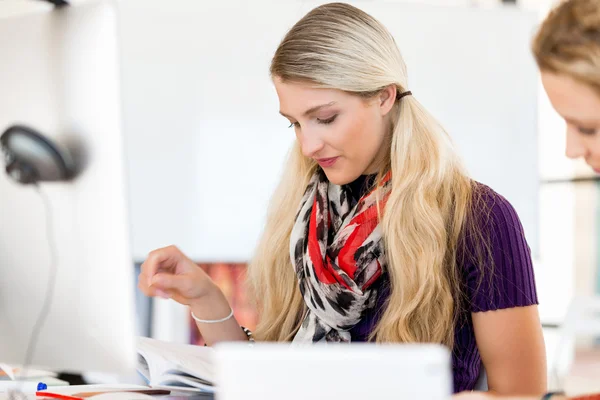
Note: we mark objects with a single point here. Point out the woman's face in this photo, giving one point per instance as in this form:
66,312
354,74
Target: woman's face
342,132
579,106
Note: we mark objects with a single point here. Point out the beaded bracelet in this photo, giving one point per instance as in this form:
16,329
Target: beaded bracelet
248,333
549,395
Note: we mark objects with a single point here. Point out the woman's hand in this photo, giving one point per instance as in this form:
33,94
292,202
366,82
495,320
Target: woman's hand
168,273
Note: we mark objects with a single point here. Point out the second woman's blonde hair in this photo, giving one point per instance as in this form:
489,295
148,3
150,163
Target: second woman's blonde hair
341,47
568,41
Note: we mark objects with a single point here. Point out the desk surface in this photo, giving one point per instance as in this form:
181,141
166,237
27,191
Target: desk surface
70,390
583,376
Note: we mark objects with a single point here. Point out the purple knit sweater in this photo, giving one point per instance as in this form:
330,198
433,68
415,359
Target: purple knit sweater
509,282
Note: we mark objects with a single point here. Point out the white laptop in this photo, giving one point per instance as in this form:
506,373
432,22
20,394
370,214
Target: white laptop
349,372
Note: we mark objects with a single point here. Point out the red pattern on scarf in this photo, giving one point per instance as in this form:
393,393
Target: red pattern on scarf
366,221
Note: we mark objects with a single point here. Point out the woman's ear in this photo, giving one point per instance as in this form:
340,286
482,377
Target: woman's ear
387,99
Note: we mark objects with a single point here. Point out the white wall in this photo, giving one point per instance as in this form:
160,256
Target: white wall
206,142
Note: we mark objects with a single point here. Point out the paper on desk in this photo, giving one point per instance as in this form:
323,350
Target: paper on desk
73,389
26,396
8,372
31,383
24,386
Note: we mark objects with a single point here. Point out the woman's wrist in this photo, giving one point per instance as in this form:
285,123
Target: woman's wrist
212,306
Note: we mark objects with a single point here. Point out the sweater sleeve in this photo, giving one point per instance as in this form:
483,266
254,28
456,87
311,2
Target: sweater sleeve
504,277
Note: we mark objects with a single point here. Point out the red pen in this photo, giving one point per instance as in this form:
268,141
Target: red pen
56,396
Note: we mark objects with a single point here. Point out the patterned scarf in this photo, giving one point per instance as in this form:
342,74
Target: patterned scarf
337,251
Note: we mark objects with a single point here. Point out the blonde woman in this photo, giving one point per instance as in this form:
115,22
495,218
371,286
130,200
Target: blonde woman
376,232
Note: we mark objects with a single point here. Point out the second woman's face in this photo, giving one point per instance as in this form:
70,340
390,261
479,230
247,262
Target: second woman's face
342,132
579,105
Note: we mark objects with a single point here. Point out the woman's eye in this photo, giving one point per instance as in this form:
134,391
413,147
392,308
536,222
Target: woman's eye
587,131
327,121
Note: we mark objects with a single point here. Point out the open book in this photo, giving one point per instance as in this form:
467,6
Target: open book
175,366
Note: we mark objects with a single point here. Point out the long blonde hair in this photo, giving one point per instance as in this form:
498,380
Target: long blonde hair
568,41
339,46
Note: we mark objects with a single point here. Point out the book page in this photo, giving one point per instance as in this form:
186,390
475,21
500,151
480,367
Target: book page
184,383
143,368
166,357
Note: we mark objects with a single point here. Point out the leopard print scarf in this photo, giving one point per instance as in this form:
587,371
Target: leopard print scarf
337,252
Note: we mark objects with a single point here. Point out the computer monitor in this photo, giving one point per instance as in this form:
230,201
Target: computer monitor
59,74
